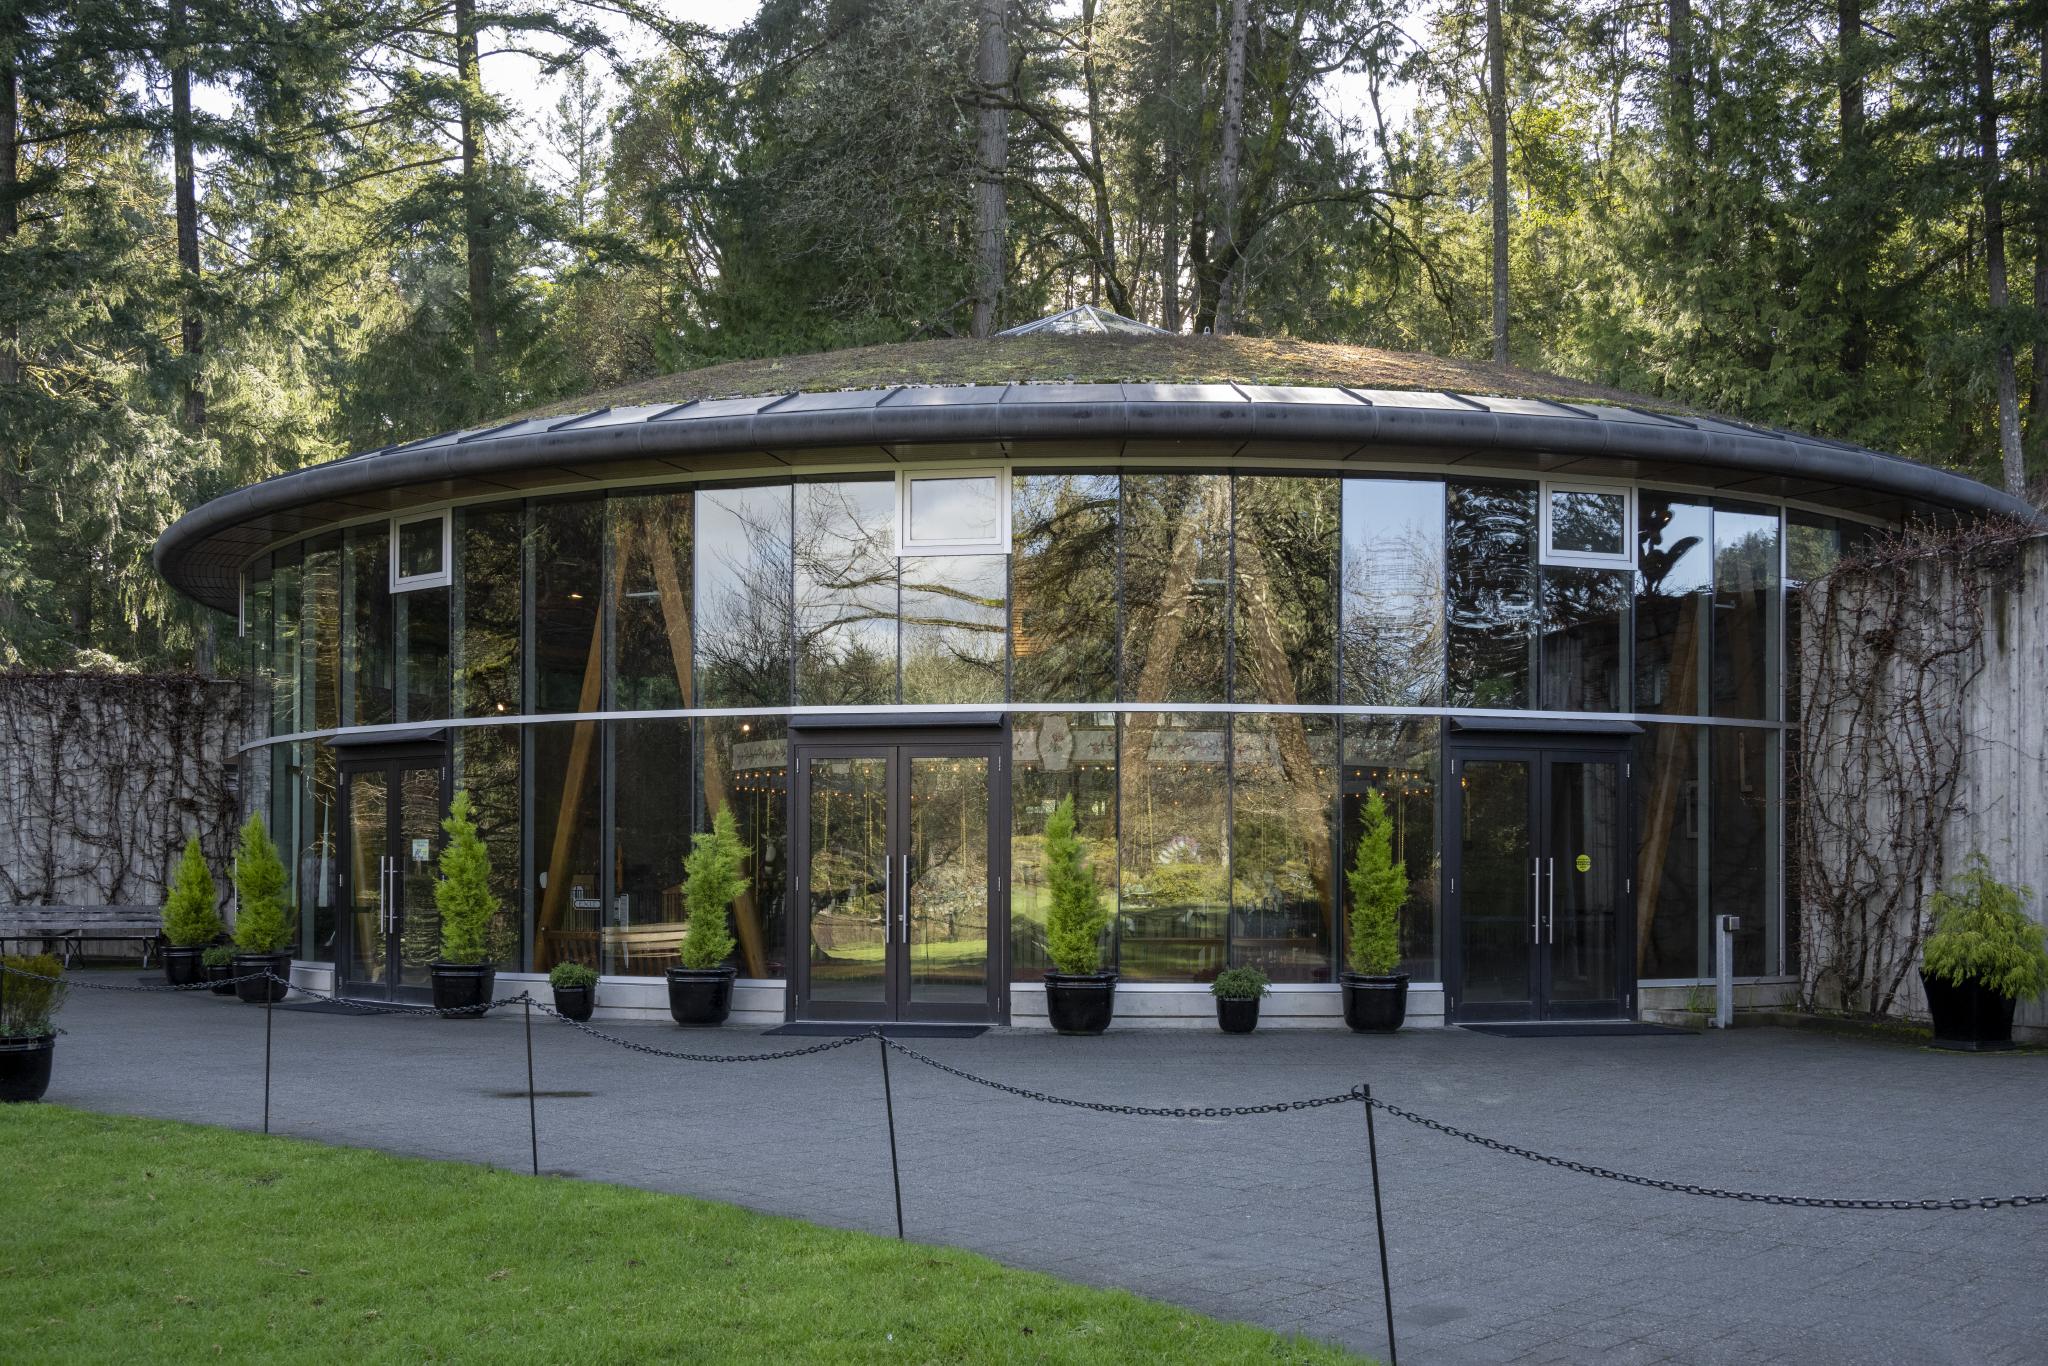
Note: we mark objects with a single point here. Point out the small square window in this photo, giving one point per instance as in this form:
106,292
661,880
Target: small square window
1589,524
420,552
953,511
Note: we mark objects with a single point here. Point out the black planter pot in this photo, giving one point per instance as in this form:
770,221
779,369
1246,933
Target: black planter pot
25,1067
1375,1005
1970,1018
700,996
184,965
1080,1003
465,987
221,979
576,1002
1237,1014
261,990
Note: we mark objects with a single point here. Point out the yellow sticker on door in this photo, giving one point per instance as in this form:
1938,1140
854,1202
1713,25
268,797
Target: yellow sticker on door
1585,863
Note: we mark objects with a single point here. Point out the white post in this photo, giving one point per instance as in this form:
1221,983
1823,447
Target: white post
1725,927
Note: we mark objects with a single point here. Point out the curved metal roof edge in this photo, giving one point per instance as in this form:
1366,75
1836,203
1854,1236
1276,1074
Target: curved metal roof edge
195,555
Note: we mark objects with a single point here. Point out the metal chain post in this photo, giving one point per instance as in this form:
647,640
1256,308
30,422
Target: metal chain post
889,1099
269,1002
1379,1219
532,1118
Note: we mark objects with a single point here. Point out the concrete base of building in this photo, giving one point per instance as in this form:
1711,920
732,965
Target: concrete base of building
1150,1005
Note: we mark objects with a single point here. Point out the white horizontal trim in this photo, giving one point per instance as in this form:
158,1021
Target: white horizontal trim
911,711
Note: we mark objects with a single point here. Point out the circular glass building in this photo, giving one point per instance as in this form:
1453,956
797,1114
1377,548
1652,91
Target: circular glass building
891,606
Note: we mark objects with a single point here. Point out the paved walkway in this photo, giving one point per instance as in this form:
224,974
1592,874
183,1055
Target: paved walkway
1266,1218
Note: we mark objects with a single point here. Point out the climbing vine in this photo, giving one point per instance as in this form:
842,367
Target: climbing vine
1891,642
104,776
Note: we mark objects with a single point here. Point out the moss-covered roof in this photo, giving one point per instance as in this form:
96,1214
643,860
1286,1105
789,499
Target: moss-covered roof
1045,359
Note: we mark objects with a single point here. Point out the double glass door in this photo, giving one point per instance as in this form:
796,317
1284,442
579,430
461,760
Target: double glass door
1541,884
898,889
392,930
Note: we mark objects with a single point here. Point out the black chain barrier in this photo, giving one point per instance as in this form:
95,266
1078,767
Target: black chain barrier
654,1052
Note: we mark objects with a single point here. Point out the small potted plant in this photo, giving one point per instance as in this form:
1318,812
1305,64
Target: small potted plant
191,921
219,962
464,975
1080,994
1982,957
700,989
28,1029
1375,990
263,932
575,990
1237,992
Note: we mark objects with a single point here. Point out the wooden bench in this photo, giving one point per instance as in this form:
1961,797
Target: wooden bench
68,929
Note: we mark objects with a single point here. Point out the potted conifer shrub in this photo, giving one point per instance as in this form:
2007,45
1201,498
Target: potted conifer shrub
28,1024
575,988
1237,992
1982,957
1375,990
464,975
219,963
1080,994
263,930
190,919
700,988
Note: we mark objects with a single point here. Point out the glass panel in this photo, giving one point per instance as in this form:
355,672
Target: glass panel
949,884
1745,612
1493,905
847,894
1283,783
1585,628
745,764
1286,537
1490,559
1393,602
1398,757
320,851
1674,573
419,548
422,625
320,605
1052,757
1583,522
1063,588
953,609
369,795
1176,612
1174,857
488,577
567,892
954,510
743,586
1670,875
262,672
651,618
419,849
650,839
1742,859
565,553
487,767
287,627
845,594
287,793
369,696
1583,924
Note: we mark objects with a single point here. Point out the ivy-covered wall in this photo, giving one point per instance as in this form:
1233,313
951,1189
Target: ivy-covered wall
102,778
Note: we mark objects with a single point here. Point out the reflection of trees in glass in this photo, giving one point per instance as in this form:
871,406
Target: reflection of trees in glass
1397,756
1393,598
1673,575
953,609
1490,560
487,767
1286,563
1176,549
367,698
487,590
1280,865
283,654
1173,855
651,613
745,765
1053,757
320,603
1063,587
565,550
845,594
1745,673
1585,615
743,587
1589,523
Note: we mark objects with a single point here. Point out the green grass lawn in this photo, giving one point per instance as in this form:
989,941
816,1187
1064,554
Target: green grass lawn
134,1239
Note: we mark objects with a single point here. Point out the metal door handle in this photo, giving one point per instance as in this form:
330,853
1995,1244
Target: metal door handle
906,899
1536,899
888,897
1551,918
390,893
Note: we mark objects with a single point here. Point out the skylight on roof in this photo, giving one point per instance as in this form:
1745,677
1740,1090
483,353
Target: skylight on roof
1087,320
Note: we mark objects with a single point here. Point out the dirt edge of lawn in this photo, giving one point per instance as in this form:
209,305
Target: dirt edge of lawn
153,1239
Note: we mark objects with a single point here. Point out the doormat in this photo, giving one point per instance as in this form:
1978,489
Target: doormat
1573,1029
344,1008
833,1029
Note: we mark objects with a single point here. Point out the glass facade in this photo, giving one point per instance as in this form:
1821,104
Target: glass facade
1219,668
